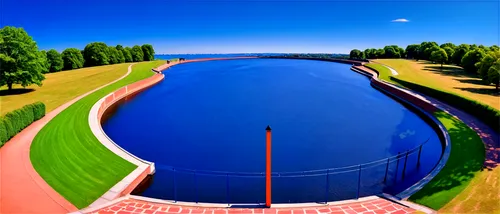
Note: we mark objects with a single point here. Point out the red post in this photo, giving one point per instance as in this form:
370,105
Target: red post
268,166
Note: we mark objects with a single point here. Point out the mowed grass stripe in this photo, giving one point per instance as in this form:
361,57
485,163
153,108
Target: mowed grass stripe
71,159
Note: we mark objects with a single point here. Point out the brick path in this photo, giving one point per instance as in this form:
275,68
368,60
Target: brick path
377,205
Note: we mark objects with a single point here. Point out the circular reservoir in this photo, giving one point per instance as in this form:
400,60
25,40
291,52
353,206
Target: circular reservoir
204,128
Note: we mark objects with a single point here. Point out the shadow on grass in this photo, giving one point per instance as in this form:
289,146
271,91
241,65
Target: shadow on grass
475,81
16,91
489,91
466,159
448,70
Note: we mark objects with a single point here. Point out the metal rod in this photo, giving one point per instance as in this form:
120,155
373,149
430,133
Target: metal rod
327,186
419,152
175,188
268,167
397,168
359,181
404,168
386,170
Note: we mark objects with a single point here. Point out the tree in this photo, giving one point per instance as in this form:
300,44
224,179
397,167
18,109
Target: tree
121,56
127,53
72,59
402,52
96,53
368,53
485,49
55,61
494,74
20,60
471,58
356,54
137,54
380,53
494,48
451,45
485,64
460,52
449,52
412,51
391,52
149,52
45,62
113,55
439,56
425,49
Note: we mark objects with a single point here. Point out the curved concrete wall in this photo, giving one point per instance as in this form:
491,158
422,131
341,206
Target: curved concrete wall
103,106
425,109
126,185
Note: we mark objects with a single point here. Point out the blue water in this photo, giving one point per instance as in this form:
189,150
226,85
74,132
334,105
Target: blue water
212,115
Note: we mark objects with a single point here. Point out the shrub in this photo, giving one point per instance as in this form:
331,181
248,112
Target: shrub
485,113
38,110
3,132
15,121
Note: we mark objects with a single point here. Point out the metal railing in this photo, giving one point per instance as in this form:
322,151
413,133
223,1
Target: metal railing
321,186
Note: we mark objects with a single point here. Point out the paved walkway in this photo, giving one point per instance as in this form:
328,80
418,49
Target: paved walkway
22,190
376,205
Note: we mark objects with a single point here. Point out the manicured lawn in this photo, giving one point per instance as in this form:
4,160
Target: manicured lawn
69,157
61,87
449,78
461,187
464,164
383,72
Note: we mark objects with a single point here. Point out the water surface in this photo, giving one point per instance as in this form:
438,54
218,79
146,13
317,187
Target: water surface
212,115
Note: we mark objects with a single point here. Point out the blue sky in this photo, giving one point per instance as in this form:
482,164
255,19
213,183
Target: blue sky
236,26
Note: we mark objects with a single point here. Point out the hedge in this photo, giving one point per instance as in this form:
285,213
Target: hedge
15,121
485,113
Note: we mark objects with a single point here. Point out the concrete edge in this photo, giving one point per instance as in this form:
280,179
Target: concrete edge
112,196
219,205
94,120
405,194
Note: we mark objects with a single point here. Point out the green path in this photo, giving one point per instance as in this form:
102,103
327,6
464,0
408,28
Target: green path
465,161
71,159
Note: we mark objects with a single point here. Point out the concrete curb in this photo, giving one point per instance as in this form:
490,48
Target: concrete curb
144,168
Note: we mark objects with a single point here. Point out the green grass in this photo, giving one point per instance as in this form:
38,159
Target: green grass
451,79
70,158
61,87
465,162
383,72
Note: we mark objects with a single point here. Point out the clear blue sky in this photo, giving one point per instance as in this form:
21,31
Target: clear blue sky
236,26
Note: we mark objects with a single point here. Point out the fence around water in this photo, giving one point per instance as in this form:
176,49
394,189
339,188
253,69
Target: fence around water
389,175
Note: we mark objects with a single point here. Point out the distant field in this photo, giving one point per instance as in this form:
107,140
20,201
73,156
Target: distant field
61,87
450,78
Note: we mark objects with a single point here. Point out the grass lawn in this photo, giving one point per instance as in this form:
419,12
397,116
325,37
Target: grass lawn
383,72
69,157
61,87
465,163
450,78
461,187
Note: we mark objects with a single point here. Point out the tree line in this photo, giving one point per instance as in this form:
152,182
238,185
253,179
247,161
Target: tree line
475,59
22,63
